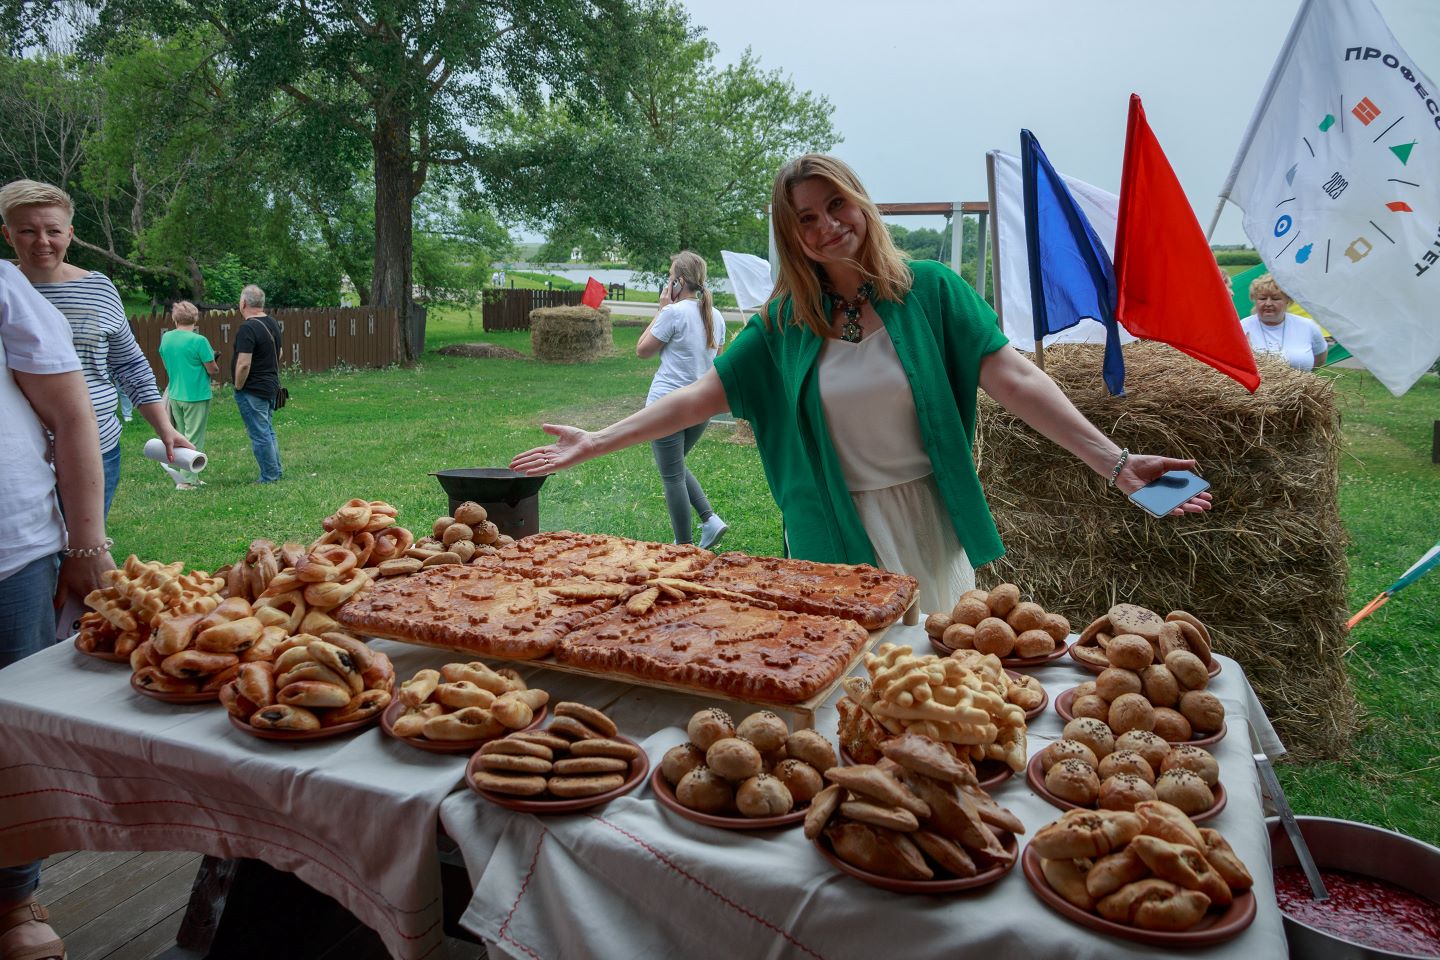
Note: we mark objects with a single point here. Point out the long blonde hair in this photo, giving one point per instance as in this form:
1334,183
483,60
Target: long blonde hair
690,269
881,262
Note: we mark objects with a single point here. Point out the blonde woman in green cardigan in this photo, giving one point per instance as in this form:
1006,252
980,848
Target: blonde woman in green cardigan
860,383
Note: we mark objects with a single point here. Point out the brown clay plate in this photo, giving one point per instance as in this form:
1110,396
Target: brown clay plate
544,804
1064,700
107,655
207,696
1044,702
666,795
1013,663
1216,927
1036,777
1096,668
989,773
397,706
942,885
296,736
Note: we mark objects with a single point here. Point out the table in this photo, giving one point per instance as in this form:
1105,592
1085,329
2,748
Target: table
632,879
88,764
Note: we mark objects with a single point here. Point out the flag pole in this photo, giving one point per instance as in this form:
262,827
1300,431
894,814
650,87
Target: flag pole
1215,220
995,256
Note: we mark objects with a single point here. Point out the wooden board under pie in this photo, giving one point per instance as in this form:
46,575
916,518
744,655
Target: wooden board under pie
726,647
482,610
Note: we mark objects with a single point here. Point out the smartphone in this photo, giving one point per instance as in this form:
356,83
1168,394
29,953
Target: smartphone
1159,497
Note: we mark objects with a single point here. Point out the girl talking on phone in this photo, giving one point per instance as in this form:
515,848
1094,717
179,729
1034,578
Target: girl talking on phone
687,333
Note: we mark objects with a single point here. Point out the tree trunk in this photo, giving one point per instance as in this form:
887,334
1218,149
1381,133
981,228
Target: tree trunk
390,284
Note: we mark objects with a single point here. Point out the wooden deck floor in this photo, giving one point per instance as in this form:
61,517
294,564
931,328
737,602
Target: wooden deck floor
128,906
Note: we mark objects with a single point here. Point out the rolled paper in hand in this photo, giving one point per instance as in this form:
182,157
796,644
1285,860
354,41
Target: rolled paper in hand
185,459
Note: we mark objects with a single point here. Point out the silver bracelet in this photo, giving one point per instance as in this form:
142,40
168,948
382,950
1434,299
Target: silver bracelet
1119,465
78,552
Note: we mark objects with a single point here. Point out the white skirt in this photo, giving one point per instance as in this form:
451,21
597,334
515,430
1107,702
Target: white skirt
911,532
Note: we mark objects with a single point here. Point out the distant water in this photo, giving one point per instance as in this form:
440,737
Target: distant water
580,273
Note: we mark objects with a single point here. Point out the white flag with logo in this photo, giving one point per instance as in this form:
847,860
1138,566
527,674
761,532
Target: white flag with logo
1100,207
1339,178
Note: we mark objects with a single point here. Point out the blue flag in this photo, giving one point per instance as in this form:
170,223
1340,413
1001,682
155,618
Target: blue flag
1071,277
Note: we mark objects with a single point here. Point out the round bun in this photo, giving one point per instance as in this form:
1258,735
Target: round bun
1129,652
936,623
1123,791
1127,762
680,760
1003,599
1189,671
1197,761
1172,725
704,790
764,729
1159,685
1057,626
734,759
1074,781
1151,746
1185,790
1085,689
1034,643
802,780
1203,709
959,636
1131,712
763,796
970,610
993,635
811,747
1066,750
709,725
1026,616
1093,733
1092,705
1116,682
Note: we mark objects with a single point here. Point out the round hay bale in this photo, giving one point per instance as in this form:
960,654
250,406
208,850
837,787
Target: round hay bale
1265,570
481,351
571,334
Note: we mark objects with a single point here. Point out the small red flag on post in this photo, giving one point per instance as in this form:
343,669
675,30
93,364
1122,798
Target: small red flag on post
594,294
1169,286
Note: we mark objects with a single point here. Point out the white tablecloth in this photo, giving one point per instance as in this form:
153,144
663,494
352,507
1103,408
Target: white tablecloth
632,879
88,764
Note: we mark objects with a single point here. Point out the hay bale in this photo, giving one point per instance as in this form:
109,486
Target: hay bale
571,334
1266,570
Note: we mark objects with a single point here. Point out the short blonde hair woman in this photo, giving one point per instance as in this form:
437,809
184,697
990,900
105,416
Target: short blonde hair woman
1273,329
860,384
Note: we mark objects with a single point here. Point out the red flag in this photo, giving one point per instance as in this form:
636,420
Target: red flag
1169,286
594,294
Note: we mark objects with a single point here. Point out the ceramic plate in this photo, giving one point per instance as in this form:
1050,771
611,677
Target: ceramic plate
666,795
207,696
1013,663
1036,777
941,885
546,804
296,736
1217,926
106,655
397,707
1062,707
1097,668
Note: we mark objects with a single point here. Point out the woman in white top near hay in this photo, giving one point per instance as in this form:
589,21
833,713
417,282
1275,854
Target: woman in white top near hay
860,383
1271,329
686,334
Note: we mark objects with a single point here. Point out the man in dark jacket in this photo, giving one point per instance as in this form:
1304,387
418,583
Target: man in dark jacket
256,372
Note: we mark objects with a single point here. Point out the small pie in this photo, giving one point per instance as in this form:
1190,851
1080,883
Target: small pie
872,597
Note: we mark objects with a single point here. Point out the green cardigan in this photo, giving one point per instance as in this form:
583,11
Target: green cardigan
941,331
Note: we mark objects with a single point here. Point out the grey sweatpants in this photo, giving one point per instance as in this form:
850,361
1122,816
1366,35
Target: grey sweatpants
682,490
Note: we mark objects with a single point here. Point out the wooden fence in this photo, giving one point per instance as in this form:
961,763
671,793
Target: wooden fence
313,340
506,309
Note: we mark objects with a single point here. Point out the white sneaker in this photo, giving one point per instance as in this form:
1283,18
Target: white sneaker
711,531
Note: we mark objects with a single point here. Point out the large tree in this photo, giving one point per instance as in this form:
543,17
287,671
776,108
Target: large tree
407,82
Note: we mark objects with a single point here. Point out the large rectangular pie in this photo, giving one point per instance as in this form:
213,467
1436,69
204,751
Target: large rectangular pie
482,609
562,554
724,646
872,597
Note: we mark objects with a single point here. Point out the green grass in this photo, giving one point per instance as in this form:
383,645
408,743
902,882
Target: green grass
379,433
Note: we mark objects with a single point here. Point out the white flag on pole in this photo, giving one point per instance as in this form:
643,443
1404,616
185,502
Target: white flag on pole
749,278
1100,208
1339,178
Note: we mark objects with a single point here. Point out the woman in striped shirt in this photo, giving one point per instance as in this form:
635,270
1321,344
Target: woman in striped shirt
37,223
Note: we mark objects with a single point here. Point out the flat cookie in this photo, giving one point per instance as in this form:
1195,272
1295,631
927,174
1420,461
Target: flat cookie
544,739
587,715
513,785
574,729
512,763
605,748
585,786
590,765
519,748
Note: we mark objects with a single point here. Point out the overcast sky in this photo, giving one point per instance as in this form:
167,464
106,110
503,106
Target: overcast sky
923,88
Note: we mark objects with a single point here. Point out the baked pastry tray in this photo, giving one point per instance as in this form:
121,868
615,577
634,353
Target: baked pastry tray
802,712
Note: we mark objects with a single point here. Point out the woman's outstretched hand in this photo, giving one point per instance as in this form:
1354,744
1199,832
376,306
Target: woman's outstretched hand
1140,469
572,446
